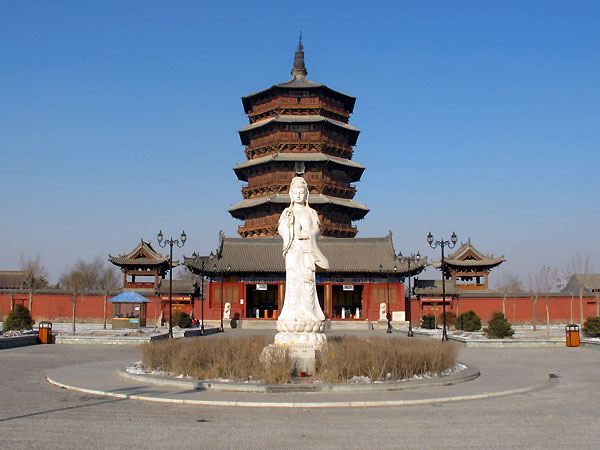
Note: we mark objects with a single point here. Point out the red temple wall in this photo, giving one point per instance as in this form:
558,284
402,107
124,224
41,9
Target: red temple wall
53,306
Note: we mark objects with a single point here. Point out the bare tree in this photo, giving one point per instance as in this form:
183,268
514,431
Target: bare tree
578,266
183,273
545,282
509,284
36,276
90,273
533,298
73,281
108,281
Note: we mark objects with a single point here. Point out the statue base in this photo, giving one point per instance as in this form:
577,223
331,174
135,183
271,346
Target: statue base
304,356
300,332
286,338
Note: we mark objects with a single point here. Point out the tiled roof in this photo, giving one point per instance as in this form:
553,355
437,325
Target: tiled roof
142,255
301,83
296,119
434,287
345,255
294,157
13,279
475,258
284,199
179,286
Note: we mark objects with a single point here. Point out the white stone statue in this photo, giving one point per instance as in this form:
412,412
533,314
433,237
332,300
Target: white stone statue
301,319
382,311
227,311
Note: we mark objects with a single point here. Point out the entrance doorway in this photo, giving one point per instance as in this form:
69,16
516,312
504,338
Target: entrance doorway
261,301
346,303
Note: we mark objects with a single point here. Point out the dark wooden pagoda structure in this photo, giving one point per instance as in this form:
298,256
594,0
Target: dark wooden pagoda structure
143,261
468,268
298,128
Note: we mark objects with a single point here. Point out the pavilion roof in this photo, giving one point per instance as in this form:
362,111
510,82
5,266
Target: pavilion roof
129,297
296,119
143,255
467,256
284,199
345,255
240,169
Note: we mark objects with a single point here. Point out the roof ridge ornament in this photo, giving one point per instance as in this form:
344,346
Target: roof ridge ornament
299,69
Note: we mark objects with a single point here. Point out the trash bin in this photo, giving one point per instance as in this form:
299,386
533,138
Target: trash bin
45,333
572,335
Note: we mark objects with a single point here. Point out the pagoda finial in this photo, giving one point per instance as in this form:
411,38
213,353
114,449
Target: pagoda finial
299,69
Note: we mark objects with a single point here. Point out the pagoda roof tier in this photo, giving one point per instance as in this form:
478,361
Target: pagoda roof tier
142,256
239,210
467,257
298,83
345,255
297,119
241,170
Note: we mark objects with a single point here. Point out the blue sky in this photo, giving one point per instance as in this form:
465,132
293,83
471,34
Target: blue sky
118,119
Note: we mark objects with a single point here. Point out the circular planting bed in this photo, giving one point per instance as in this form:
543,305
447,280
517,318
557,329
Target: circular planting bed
235,364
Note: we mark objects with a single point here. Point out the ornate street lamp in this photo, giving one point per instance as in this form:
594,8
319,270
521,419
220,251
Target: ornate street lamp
203,260
170,243
408,260
443,244
388,314
222,329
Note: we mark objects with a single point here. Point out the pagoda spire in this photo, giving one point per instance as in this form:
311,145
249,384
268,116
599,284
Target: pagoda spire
299,69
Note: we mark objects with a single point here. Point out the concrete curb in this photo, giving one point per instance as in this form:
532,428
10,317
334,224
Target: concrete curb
551,382
107,340
470,373
19,341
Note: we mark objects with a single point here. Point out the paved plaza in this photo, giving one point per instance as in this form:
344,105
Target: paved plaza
563,414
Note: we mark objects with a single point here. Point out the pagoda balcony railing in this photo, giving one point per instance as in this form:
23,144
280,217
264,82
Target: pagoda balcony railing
275,185
333,224
289,104
284,138
260,230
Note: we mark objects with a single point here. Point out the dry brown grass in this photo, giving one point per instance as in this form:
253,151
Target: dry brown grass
239,358
347,357
228,358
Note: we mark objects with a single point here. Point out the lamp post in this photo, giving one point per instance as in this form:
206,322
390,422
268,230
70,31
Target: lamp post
408,260
170,243
442,243
222,329
388,313
203,260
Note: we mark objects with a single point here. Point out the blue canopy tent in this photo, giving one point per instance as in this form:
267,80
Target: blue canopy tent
129,310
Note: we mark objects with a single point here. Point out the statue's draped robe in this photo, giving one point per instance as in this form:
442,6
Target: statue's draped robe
301,256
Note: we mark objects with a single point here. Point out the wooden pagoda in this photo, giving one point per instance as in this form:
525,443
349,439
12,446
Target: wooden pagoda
468,267
298,128
143,261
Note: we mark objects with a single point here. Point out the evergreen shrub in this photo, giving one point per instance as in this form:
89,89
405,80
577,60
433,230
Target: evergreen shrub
182,320
591,327
498,327
428,321
468,321
18,319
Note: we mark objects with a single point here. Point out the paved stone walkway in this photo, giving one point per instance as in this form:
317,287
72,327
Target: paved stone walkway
36,414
